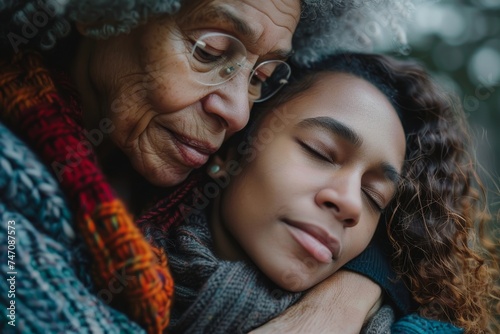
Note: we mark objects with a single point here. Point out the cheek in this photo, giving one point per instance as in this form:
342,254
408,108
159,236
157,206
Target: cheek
164,59
238,198
357,240
168,84
265,183
174,92
245,193
161,89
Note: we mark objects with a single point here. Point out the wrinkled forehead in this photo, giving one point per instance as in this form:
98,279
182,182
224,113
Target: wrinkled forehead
264,26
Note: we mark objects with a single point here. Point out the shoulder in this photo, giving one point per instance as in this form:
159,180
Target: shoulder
28,187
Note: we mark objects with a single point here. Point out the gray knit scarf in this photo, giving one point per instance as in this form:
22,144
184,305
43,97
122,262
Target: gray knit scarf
213,295
217,296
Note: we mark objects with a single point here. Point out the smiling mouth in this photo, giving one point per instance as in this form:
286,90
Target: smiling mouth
194,153
315,240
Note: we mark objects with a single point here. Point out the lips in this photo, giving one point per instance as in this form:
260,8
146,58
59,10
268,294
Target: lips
315,240
195,153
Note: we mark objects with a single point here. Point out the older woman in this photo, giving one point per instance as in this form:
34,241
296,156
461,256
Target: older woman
122,117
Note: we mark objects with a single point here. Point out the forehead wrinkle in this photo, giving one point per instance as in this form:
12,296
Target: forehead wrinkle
225,13
290,14
281,53
217,13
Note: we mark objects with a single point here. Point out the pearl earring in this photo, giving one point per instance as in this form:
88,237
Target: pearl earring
214,169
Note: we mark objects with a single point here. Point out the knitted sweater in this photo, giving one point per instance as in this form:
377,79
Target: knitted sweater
52,290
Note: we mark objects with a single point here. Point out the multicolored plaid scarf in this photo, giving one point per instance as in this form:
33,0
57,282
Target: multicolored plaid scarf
43,108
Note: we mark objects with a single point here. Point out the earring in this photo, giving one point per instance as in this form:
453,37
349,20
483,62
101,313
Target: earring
214,169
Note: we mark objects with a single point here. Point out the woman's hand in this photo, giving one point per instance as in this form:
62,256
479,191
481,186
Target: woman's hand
340,304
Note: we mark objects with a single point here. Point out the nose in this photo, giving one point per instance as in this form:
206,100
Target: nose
229,103
342,197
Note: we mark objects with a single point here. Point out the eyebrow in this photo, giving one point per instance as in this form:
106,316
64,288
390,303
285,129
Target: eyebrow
334,127
391,173
339,129
241,27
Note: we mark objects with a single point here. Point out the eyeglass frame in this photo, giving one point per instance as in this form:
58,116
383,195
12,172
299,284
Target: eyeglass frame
241,64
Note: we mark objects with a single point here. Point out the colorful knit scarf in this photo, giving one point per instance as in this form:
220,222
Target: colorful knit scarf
42,108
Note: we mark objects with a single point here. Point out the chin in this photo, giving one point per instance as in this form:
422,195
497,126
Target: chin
165,178
293,282
296,287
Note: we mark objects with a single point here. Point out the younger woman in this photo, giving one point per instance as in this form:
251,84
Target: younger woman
356,142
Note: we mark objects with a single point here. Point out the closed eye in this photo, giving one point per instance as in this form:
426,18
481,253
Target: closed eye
206,54
314,153
374,203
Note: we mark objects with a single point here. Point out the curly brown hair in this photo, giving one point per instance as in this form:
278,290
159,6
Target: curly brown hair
438,222
439,218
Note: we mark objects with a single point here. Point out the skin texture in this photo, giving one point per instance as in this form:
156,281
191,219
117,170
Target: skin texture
325,308
165,121
312,194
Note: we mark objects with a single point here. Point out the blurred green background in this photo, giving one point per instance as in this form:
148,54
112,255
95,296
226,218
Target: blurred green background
459,42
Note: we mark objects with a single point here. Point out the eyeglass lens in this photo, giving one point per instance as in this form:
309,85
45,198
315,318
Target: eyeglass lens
217,57
267,78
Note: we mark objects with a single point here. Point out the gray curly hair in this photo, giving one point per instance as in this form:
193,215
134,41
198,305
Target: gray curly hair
326,26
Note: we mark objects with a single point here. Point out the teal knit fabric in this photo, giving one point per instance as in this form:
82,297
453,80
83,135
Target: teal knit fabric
52,286
414,324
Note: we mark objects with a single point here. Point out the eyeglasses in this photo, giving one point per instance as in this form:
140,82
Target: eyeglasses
218,57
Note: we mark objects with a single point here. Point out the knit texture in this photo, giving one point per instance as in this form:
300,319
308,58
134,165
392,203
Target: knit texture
51,296
51,123
414,324
213,295
54,297
380,323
